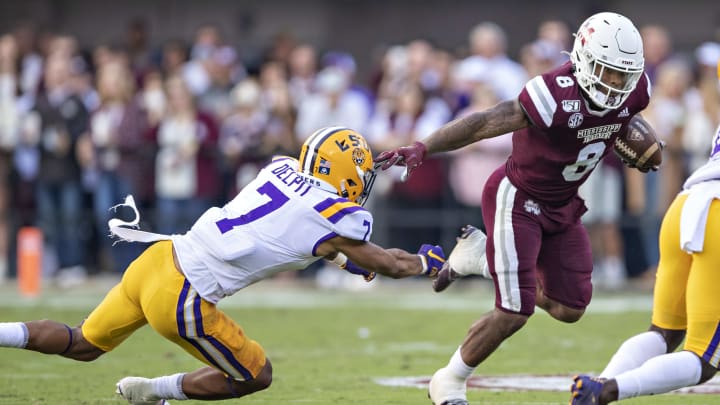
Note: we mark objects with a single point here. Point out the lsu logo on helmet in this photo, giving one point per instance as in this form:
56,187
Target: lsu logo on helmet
341,158
358,156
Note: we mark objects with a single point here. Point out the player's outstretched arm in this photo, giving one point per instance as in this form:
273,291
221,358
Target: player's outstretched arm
503,118
394,263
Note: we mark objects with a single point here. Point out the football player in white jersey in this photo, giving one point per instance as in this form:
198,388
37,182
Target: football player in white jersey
685,304
294,213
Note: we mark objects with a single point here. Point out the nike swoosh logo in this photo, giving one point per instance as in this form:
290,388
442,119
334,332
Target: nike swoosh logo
436,257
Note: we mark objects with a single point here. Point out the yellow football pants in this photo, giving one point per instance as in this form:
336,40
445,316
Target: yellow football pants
686,289
153,291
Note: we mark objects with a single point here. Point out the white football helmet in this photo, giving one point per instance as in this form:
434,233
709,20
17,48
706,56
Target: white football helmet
607,41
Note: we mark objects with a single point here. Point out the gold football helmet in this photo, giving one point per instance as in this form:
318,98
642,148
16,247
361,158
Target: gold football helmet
341,158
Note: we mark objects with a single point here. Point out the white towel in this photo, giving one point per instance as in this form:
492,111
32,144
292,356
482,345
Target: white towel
694,215
120,228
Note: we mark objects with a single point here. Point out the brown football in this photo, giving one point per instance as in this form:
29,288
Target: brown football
639,146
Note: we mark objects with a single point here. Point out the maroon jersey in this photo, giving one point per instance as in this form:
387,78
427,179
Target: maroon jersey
554,156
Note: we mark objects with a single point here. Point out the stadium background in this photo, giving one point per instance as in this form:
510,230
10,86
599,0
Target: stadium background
330,345
357,26
359,33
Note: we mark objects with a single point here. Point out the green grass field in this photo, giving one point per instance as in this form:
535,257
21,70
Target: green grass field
329,347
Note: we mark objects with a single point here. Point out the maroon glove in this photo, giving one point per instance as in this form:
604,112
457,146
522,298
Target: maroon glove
409,156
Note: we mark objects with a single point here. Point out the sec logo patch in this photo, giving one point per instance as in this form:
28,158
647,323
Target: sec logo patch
575,120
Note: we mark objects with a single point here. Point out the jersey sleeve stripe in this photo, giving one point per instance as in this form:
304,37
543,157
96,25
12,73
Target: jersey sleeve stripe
323,239
542,99
341,213
329,202
335,209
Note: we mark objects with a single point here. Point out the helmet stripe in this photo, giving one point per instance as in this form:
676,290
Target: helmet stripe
314,145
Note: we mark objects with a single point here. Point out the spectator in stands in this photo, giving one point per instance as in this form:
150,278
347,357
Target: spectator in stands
704,109
280,48
556,32
539,56
137,46
666,113
332,104
63,118
118,151
174,57
391,74
437,79
187,180
152,97
489,62
419,55
410,117
241,136
302,68
11,116
603,195
31,63
277,99
480,158
196,71
657,47
224,70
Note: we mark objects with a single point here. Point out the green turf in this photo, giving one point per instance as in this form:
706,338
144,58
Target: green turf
327,347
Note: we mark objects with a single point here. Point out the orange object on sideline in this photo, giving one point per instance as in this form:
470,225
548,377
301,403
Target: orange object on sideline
29,258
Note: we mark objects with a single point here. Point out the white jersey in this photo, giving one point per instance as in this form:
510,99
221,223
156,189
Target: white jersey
710,170
274,224
702,187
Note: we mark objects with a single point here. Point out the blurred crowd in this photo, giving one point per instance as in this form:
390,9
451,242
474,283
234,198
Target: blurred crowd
183,125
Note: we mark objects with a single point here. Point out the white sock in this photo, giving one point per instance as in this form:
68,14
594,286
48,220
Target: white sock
660,374
634,352
458,367
169,386
13,334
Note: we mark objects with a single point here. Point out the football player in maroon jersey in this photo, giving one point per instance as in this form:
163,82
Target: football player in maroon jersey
563,122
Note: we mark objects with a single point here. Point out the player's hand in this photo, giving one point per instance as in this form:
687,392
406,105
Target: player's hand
433,258
351,267
409,156
644,169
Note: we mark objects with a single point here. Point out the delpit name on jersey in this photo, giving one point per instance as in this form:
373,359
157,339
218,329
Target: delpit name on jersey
288,175
601,132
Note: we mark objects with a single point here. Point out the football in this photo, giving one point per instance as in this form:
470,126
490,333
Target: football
638,146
